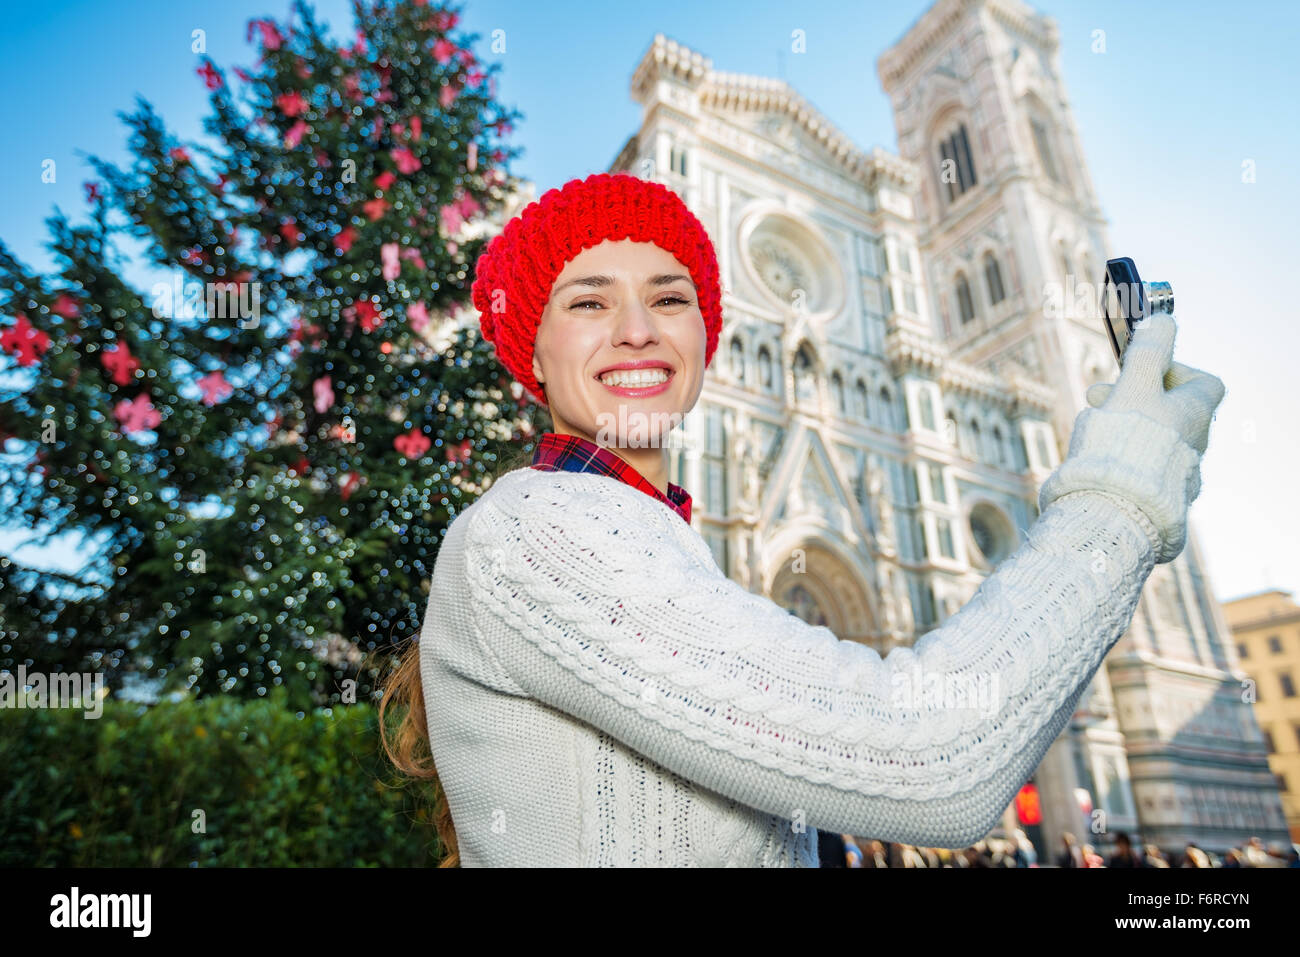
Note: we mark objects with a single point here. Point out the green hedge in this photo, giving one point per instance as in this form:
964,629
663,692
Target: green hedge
278,789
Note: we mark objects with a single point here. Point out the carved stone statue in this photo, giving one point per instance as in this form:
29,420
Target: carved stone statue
742,559
747,454
805,382
888,600
897,606
881,508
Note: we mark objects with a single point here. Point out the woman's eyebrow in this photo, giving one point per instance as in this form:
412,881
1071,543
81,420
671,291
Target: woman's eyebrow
601,280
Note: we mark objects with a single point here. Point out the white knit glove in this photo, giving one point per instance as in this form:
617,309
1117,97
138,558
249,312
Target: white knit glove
1141,440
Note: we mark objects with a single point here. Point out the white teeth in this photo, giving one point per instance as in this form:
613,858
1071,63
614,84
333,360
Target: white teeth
632,379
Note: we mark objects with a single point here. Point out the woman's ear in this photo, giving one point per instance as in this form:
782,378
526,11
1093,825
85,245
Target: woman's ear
537,369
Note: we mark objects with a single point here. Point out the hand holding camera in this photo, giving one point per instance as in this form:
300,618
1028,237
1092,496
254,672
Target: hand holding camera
1141,440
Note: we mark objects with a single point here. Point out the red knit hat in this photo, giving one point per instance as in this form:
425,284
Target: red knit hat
524,260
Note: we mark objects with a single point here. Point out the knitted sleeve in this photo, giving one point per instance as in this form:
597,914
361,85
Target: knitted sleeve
592,602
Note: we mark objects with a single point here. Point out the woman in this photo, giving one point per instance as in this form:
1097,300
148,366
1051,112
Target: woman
596,691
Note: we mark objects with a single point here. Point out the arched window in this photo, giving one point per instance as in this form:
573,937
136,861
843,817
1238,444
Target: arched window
1067,267
886,409
837,390
927,409
765,368
677,159
805,378
1043,143
1019,453
956,164
944,529
738,360
950,430
993,277
999,455
863,403
927,605
965,305
1043,459
977,451
799,602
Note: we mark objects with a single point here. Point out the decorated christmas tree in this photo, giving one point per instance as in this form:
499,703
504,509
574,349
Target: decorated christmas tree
262,451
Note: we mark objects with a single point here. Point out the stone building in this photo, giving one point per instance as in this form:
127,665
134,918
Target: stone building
1266,631
899,371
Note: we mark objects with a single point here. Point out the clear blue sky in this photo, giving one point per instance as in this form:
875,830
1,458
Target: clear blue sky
1185,92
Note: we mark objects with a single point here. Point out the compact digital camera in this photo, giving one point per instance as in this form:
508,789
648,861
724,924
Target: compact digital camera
1126,300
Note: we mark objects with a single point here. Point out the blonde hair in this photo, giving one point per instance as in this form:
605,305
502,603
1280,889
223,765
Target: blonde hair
409,749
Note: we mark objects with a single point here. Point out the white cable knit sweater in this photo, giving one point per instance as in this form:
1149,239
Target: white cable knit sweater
598,692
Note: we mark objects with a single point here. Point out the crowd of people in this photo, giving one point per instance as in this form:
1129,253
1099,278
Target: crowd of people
843,850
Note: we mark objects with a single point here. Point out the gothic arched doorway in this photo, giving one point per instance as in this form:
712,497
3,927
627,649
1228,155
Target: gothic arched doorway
822,588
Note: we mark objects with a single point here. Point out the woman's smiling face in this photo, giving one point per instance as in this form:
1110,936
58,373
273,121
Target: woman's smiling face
620,348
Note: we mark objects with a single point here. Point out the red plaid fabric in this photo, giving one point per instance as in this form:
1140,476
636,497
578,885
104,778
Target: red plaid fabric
572,453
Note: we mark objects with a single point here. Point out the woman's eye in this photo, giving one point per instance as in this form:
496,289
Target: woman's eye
674,300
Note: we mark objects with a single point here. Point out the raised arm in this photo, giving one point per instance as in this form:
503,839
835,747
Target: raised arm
591,599
609,620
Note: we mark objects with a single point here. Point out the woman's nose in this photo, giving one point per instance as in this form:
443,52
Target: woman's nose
635,323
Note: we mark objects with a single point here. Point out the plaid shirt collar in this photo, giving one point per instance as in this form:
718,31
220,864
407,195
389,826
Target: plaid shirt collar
571,453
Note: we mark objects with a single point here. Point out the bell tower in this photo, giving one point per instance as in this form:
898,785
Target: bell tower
1010,226
1014,244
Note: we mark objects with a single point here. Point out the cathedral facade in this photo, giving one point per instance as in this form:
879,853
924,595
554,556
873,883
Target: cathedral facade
895,380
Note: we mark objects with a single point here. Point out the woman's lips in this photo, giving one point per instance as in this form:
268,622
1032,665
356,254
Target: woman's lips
639,392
